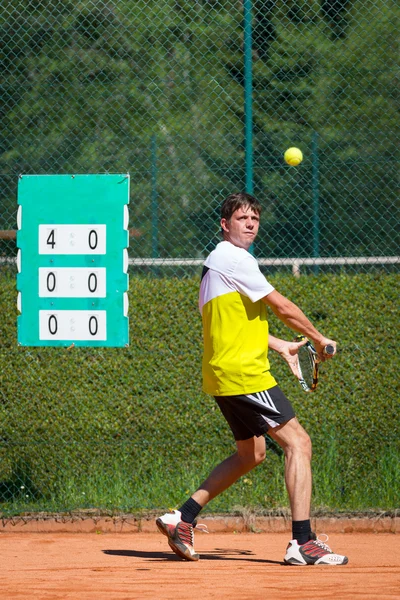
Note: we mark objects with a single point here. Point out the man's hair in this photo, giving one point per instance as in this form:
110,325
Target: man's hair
235,201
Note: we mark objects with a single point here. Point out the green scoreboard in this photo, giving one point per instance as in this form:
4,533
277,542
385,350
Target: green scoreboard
72,260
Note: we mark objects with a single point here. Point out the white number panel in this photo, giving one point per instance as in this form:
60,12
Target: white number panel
72,282
72,325
72,239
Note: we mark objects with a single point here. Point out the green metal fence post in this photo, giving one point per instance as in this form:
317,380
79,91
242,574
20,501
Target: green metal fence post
248,95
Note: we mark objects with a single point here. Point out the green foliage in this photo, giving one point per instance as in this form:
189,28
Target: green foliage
156,89
86,86
130,429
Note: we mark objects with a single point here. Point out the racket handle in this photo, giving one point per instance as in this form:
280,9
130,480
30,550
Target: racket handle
329,349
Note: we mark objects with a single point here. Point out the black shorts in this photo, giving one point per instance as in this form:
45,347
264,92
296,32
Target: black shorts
251,415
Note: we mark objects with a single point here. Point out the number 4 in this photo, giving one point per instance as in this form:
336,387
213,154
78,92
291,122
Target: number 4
50,240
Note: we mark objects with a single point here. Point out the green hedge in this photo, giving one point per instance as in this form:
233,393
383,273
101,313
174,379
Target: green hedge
130,429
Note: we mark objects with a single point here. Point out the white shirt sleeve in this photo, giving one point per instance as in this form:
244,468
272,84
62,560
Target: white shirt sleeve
249,280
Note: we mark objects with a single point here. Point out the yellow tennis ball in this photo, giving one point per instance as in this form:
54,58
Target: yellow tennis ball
293,156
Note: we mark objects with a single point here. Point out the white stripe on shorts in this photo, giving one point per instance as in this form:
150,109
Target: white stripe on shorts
270,422
261,399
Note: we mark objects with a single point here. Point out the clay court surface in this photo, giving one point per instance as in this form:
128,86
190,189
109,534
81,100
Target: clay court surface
246,566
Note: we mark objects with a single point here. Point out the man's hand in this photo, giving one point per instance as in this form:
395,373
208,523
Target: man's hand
320,348
289,352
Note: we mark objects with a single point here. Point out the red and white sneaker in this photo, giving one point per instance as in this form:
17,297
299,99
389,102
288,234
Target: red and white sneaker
180,534
313,552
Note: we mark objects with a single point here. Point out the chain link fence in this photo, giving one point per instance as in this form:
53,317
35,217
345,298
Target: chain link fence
195,99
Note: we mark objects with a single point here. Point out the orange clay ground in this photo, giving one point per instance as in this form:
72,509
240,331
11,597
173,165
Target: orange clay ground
66,564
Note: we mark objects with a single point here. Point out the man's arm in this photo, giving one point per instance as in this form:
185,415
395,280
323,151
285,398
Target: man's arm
293,317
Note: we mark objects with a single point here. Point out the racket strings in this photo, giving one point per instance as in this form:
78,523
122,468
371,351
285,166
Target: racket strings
307,365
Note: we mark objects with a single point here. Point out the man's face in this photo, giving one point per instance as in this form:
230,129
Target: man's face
242,228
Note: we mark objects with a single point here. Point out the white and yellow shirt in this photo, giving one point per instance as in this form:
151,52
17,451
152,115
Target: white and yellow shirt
235,326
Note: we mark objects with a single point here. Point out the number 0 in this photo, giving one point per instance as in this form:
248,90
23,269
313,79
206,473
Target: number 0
92,239
52,325
92,282
93,325
51,282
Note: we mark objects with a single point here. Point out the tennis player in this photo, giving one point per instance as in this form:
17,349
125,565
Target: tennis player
236,371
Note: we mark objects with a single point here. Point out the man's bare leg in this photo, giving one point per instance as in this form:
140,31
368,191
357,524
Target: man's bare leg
302,549
178,526
296,444
249,454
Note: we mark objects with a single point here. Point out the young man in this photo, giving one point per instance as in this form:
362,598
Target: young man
236,371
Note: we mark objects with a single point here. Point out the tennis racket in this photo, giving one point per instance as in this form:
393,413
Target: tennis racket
308,364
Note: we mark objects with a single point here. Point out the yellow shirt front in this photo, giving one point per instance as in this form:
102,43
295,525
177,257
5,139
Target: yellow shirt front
235,326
